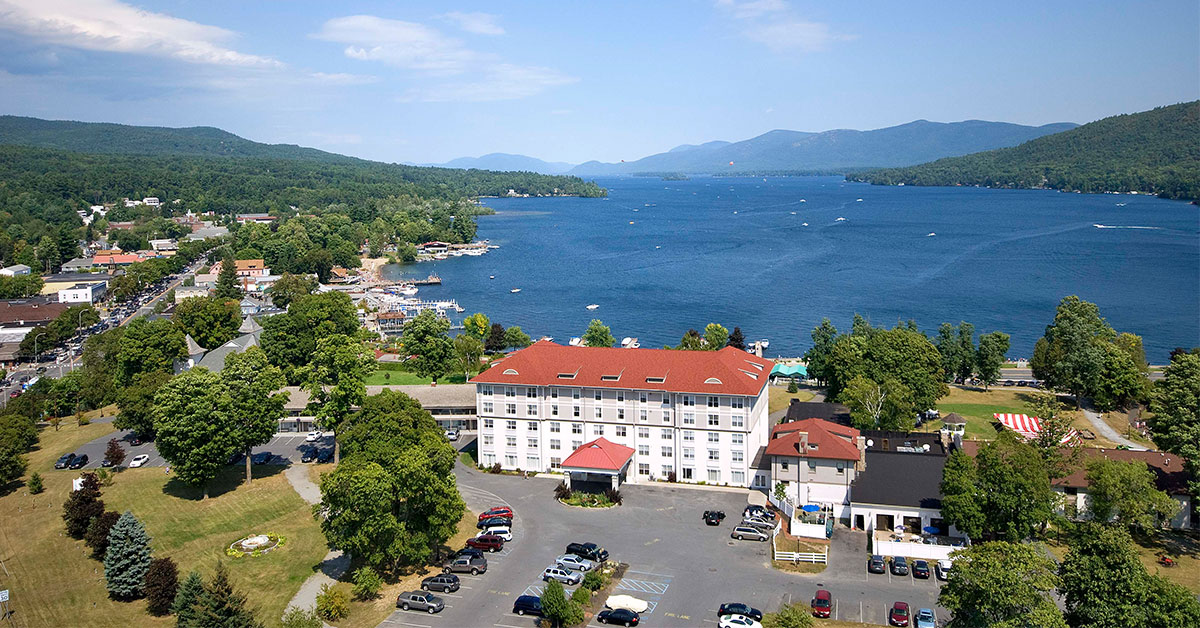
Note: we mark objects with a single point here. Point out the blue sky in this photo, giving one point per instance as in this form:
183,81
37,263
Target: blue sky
566,81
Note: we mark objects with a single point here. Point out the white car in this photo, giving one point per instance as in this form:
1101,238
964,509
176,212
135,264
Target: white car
562,574
313,437
451,435
738,621
575,563
627,602
139,460
503,532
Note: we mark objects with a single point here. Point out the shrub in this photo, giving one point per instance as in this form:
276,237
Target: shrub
105,477
82,419
495,468
96,536
792,387
367,583
613,495
300,618
82,506
562,491
114,453
592,580
581,597
162,583
332,604
671,477
35,483
789,616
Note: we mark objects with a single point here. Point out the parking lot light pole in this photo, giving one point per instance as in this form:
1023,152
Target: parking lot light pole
35,347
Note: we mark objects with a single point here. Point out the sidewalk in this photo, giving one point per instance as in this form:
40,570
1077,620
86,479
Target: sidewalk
334,565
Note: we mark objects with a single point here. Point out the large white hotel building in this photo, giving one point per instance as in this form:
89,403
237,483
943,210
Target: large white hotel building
699,414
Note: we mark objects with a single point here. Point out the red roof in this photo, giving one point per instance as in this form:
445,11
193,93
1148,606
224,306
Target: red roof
103,260
728,371
825,440
599,454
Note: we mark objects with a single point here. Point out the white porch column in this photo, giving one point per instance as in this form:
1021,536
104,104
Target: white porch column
615,478
567,479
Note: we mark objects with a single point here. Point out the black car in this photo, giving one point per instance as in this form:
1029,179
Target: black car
875,564
754,510
737,608
135,440
899,566
467,551
326,455
491,522
106,463
79,462
622,616
262,457
236,458
713,517
528,605
445,583
309,455
920,569
590,551
65,461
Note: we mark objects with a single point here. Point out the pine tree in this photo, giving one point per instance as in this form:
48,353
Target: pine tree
736,339
128,557
97,533
222,607
162,584
227,283
187,598
82,506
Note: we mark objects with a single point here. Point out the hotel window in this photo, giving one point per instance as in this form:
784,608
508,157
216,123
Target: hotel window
714,475
531,392
620,395
714,420
620,430
487,407
737,477
739,439
599,395
714,437
666,416
667,470
689,400
489,459
531,410
737,402
510,425
599,413
555,426
620,414
812,466
576,411
689,453
486,391
783,465
739,420
488,423
642,398
532,443
739,455
643,450
555,443
714,402
556,463
576,444
509,391
644,468
667,452
689,418
510,441
597,430
689,436
643,432
714,454
510,461
666,434
554,410
841,467
532,462
531,426
574,393
687,473
666,400
643,415
577,428
488,440
554,393
510,408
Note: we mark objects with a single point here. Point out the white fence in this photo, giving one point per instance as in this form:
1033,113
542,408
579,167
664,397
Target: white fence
784,505
797,557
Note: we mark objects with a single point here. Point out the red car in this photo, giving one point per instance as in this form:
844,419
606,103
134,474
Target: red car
898,616
496,511
488,542
822,604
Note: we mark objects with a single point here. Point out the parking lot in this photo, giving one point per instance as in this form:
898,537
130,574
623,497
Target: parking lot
283,449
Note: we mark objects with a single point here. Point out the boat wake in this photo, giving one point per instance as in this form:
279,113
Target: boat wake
1100,226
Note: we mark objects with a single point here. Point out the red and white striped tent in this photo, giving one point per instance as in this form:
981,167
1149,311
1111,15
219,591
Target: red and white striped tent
1029,426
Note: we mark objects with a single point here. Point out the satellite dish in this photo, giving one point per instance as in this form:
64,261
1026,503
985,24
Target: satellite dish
870,443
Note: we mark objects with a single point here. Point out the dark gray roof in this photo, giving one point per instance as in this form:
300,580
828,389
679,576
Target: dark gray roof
900,479
885,440
800,410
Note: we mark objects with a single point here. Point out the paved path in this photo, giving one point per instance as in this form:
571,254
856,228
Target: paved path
335,563
1107,431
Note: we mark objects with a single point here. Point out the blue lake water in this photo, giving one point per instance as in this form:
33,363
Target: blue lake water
660,257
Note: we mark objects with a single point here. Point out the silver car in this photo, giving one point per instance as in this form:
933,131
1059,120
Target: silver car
757,524
562,574
742,533
574,563
420,601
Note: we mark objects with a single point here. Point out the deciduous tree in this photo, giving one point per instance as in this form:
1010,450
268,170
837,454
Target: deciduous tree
962,506
336,381
1051,440
251,385
598,334
211,321
817,356
1176,418
425,337
989,357
195,431
149,346
289,287
114,453
715,337
1071,355
1125,491
879,406
515,338
477,325
1001,584
136,402
82,506
162,583
467,351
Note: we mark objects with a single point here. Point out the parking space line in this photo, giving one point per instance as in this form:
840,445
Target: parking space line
507,626
648,573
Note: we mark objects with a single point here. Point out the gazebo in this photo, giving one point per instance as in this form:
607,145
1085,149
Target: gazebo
792,371
598,461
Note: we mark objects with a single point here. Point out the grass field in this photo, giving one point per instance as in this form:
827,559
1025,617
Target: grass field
55,582
778,397
1184,547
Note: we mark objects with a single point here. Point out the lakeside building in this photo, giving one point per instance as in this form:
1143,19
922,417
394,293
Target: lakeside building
699,416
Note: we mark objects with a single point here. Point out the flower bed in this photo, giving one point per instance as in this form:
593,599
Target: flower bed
254,545
588,500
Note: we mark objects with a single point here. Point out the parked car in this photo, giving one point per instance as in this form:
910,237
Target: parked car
309,455
420,601
452,435
575,563
496,511
491,522
942,569
528,605
562,574
713,517
79,462
139,460
590,551
627,602
744,532
621,616
64,461
875,564
14,394
758,511
757,523
738,621
737,608
313,436
822,603
898,616
920,569
899,566
504,532
468,551
106,463
236,458
262,457
925,619
473,565
486,542
135,439
444,583
325,456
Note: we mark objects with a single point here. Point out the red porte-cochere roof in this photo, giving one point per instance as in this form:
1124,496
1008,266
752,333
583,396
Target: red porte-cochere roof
825,440
599,454
728,371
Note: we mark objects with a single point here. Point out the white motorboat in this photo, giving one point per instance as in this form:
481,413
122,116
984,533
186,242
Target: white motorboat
576,341
930,234
515,290
840,219
593,306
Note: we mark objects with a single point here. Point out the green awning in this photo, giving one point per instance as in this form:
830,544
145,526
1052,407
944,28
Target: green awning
790,370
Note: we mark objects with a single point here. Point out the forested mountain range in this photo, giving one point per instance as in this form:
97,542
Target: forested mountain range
784,151
1156,151
508,162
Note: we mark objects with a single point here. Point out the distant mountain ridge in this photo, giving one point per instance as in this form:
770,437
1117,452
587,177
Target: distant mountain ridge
831,151
508,162
1156,151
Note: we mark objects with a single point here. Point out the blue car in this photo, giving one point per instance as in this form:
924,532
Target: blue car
925,619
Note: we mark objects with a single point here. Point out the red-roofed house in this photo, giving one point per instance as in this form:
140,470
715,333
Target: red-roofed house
817,460
701,415
599,460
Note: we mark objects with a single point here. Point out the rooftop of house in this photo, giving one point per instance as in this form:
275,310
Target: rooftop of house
460,396
820,439
835,412
909,442
599,454
35,309
900,479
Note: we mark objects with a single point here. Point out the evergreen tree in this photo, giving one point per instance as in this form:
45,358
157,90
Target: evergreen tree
715,337
162,584
96,536
555,606
496,339
187,599
227,281
82,506
598,334
220,606
127,558
736,340
817,357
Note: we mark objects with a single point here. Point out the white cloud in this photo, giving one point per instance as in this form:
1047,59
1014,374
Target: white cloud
498,82
774,24
113,26
478,23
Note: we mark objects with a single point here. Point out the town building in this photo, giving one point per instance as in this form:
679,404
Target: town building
260,218
78,264
164,244
898,501
817,461
15,270
451,405
187,292
693,416
1170,477
151,201
83,292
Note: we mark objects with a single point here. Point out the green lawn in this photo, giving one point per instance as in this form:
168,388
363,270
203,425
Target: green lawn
978,415
778,397
55,582
404,378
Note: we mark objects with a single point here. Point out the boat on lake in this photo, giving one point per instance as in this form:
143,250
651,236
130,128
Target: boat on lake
515,290
593,306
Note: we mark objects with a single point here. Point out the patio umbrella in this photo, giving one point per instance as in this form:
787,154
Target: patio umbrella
931,530
899,528
811,508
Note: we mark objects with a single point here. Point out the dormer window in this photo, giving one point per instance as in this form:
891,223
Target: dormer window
712,380
610,378
511,372
566,376
812,447
655,380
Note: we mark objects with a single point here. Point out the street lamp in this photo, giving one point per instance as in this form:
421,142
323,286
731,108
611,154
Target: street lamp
35,350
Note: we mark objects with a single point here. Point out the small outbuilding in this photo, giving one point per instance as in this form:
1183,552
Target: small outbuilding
597,463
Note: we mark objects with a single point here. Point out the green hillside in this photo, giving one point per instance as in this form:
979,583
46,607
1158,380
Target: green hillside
1155,151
